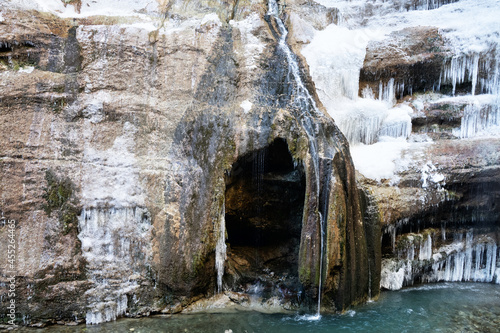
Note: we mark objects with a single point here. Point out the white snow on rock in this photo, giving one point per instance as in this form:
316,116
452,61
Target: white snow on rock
88,7
335,57
246,105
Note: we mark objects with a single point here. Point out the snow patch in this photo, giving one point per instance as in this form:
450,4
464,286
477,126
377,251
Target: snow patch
27,69
469,25
93,7
246,105
381,160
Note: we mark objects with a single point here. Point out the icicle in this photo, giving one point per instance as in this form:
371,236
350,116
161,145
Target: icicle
220,249
478,117
465,68
466,259
386,92
425,251
111,239
473,74
367,92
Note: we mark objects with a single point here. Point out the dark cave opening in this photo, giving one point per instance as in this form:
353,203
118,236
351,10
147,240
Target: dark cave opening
265,194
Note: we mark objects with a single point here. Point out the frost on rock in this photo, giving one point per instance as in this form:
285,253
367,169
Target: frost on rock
89,7
430,175
111,177
253,47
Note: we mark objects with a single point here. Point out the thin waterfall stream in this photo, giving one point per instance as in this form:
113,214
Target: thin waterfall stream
306,105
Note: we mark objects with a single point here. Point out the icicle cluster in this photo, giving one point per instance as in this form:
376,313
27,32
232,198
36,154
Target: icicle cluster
474,263
368,120
107,311
466,68
461,69
422,4
112,240
469,259
477,118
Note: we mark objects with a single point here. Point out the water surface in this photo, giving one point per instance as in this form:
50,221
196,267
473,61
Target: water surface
443,307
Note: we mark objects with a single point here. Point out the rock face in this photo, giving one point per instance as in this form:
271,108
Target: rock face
166,156
128,144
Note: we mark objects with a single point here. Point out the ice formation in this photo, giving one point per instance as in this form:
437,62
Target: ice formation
479,118
220,249
113,240
335,56
473,258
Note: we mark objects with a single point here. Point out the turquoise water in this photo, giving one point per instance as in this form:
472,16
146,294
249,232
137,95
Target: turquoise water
445,307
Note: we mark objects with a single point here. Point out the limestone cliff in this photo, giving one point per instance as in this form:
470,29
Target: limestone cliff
131,138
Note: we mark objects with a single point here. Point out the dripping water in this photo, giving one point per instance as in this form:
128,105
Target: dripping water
307,108
258,169
369,282
258,179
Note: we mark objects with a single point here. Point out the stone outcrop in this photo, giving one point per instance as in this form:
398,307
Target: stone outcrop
166,157
412,58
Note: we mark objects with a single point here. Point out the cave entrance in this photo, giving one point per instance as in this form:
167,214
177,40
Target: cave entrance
265,194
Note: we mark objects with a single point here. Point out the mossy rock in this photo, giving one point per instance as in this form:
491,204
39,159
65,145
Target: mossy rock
59,197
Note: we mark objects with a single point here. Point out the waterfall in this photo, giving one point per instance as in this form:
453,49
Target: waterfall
220,248
305,104
258,169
